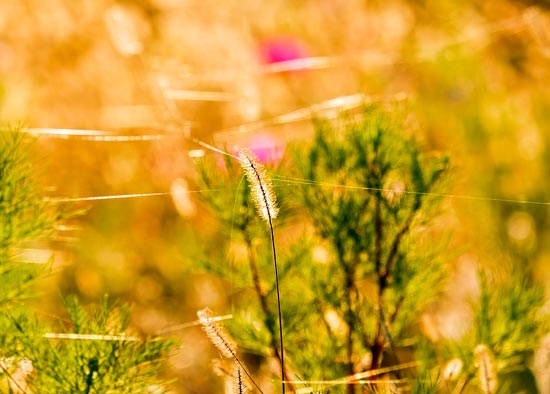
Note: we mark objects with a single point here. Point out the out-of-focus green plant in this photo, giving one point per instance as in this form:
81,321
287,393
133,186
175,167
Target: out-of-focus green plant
358,181
24,216
90,355
382,268
509,322
369,193
103,360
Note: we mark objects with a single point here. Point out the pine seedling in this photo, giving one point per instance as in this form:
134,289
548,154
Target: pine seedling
367,190
509,319
24,216
424,384
266,203
92,354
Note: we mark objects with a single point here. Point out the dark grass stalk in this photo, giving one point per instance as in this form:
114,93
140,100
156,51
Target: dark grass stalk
350,316
384,270
278,306
263,303
463,384
349,287
265,201
389,338
378,345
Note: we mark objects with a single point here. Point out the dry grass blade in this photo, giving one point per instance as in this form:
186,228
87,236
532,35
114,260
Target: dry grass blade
192,324
358,378
90,337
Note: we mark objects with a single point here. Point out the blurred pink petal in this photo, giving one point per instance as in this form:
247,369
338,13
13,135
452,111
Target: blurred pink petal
282,49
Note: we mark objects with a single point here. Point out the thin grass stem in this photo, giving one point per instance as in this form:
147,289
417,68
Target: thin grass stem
266,204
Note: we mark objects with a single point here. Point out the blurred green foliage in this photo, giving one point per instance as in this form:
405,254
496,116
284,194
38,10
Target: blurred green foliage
370,195
475,71
29,360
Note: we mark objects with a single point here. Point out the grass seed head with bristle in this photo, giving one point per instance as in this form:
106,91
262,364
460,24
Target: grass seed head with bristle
542,366
452,369
266,203
217,334
239,382
261,187
486,369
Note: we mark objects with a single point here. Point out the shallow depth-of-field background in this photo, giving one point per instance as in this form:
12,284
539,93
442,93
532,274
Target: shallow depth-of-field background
475,74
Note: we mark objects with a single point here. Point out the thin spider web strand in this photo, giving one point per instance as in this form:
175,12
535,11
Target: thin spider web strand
358,378
233,214
92,135
285,181
62,199
192,324
106,197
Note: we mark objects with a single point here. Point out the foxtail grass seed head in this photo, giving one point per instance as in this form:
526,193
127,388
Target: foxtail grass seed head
452,369
262,189
542,366
486,369
217,334
17,378
239,386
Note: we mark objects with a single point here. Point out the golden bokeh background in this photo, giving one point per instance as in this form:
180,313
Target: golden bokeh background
233,73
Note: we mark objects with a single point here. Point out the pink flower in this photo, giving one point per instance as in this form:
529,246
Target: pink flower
266,147
281,49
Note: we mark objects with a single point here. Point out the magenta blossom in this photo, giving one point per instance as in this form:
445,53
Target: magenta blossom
281,49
